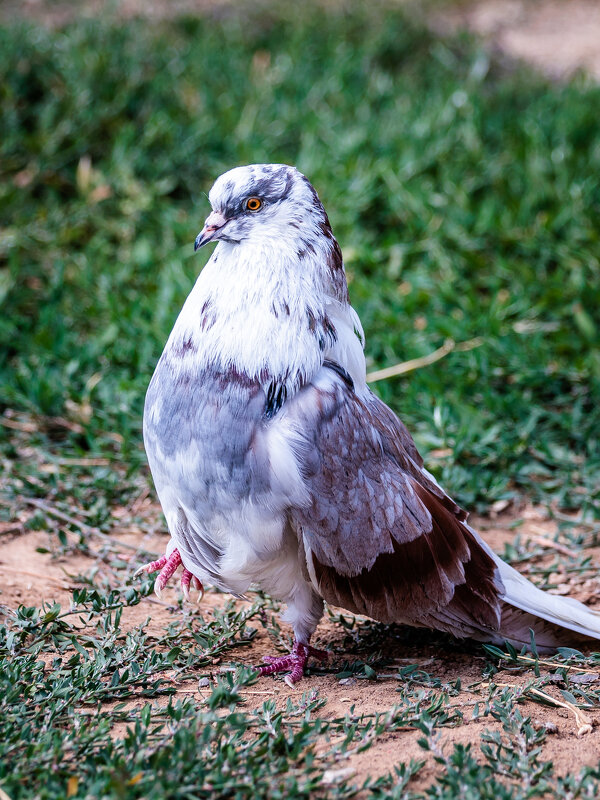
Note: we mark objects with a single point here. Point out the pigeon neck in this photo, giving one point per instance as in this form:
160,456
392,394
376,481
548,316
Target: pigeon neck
263,311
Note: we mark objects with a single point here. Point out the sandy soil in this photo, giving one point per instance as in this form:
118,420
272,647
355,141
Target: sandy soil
558,38
28,576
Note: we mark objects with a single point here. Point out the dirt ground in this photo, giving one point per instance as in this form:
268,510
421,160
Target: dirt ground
558,37
28,576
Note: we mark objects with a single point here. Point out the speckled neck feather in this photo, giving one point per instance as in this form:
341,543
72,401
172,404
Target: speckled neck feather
272,301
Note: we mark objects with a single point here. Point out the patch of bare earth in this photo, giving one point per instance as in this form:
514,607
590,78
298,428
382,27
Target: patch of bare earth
28,576
557,37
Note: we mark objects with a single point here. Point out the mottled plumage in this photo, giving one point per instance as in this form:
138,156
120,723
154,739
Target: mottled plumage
276,464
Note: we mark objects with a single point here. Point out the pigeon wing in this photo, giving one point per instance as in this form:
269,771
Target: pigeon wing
379,535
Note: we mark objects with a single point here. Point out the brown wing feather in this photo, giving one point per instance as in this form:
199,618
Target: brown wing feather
379,540
442,579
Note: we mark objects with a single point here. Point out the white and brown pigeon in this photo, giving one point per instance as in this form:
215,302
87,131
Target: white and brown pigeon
275,464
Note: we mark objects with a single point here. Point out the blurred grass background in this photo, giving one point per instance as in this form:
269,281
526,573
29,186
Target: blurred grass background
464,193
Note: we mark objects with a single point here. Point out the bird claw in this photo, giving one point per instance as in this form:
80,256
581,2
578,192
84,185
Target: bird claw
295,662
166,567
152,566
189,579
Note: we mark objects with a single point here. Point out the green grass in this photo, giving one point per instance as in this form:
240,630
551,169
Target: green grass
466,200
70,676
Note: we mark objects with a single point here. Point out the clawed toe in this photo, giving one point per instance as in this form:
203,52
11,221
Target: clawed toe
295,662
189,579
166,567
153,566
321,655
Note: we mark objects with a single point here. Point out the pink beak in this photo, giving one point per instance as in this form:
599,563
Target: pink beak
214,222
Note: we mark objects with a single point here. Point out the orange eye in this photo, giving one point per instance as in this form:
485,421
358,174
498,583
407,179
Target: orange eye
253,203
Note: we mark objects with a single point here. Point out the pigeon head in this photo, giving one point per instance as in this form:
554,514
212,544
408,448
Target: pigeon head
263,201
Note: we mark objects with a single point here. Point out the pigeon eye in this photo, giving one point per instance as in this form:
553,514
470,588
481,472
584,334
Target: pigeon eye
253,203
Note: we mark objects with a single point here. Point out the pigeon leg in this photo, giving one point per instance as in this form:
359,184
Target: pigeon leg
166,566
295,662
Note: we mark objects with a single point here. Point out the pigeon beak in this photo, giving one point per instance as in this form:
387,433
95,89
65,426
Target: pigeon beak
214,222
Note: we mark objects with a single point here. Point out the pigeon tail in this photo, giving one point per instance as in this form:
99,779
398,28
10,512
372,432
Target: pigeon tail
550,616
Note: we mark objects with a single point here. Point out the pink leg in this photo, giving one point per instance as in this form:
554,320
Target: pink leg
166,566
295,662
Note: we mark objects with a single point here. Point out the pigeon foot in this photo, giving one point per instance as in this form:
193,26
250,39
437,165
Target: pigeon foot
166,566
295,662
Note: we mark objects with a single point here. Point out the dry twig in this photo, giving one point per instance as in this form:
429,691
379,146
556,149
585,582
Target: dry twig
408,366
582,720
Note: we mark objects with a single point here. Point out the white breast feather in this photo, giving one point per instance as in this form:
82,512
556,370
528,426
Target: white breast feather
242,286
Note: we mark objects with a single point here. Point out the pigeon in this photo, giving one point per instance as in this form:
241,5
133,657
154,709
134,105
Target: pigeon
276,465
